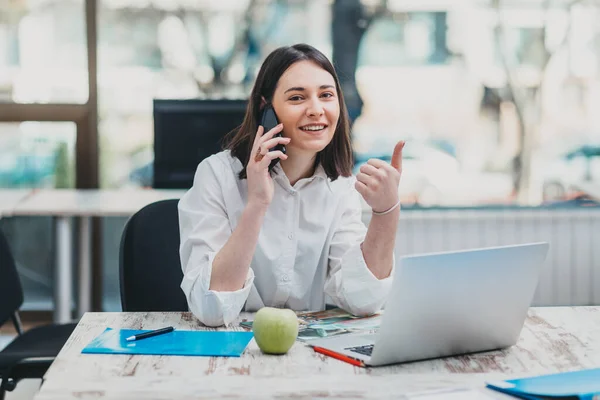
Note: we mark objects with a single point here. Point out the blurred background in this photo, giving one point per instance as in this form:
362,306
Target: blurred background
497,99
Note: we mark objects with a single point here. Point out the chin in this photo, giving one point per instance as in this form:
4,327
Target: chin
313,147
314,144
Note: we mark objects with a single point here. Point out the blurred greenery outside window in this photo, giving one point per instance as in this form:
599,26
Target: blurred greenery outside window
205,49
43,59
440,75
37,154
43,56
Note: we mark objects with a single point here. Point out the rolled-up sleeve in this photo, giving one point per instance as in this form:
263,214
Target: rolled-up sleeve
204,229
350,283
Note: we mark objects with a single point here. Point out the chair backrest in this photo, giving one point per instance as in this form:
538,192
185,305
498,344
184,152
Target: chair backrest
11,291
149,264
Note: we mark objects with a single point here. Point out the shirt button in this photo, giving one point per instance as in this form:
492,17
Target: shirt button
293,193
285,278
291,236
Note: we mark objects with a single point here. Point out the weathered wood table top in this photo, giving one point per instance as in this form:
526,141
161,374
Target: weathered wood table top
554,339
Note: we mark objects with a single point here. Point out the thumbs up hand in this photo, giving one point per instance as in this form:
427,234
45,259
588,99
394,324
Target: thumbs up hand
378,181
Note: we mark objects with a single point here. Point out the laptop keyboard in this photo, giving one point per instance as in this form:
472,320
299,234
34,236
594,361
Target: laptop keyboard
366,349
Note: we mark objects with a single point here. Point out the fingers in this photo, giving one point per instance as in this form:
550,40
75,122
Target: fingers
378,180
269,144
259,133
370,170
361,188
265,147
377,163
270,156
272,132
379,170
368,180
260,137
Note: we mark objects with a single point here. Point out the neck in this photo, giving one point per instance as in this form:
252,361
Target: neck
298,166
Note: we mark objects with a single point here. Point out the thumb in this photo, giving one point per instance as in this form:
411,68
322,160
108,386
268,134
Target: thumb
397,156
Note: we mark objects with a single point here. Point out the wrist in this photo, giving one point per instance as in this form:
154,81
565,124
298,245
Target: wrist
256,207
394,208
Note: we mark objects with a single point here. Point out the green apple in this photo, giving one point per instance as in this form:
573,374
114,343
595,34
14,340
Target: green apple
275,329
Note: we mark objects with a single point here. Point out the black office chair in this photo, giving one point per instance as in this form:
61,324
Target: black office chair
149,265
30,354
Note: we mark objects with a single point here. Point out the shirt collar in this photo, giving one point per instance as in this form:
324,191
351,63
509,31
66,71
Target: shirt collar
321,174
318,174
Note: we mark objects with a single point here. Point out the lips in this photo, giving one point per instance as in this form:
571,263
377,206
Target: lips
313,128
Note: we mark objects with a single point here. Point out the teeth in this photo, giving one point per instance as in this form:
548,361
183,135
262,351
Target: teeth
313,128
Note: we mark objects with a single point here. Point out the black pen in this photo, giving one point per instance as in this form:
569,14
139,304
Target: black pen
150,334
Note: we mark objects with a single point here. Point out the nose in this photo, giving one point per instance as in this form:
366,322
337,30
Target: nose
314,108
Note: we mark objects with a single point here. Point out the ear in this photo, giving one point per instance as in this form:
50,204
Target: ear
263,102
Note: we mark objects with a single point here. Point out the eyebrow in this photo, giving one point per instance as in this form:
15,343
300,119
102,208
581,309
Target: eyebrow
301,89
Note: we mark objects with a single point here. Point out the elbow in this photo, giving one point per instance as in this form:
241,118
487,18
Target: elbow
210,318
212,311
364,310
211,321
359,305
206,309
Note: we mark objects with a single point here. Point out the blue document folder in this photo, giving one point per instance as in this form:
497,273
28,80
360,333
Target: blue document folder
583,385
176,343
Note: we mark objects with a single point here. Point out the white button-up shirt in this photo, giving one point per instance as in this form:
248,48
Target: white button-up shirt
309,245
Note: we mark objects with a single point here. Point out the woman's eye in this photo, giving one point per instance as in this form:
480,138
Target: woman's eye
295,98
327,94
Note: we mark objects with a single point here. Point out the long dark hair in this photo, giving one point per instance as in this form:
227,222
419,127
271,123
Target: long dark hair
336,157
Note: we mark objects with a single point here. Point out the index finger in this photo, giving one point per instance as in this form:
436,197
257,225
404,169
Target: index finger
377,163
271,133
259,133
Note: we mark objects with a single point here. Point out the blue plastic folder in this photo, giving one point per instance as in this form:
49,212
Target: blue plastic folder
176,343
584,385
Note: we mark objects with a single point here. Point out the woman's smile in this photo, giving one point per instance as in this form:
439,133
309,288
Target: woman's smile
314,128
307,104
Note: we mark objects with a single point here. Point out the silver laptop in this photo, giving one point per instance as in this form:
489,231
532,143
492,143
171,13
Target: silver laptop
450,303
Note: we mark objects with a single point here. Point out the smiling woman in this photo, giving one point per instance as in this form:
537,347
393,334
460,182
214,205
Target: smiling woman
253,237
309,113
302,86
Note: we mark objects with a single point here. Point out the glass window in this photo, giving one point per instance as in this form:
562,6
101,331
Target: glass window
43,56
37,154
201,49
406,38
440,80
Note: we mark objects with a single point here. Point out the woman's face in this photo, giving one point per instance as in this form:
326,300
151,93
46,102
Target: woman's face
306,102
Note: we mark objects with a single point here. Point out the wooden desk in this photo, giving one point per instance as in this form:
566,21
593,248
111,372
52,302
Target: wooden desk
83,204
553,339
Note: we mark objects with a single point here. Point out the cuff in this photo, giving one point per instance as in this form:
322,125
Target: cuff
223,307
364,292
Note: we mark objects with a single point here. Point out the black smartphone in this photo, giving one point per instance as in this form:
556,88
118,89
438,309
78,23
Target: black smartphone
269,121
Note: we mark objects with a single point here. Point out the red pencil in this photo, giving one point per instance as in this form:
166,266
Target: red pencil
338,356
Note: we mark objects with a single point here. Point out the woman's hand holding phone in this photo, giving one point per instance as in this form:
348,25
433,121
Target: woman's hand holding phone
260,183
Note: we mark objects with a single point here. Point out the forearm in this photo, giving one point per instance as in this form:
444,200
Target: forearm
378,246
230,266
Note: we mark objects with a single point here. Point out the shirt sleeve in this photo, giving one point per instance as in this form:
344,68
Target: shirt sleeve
204,229
350,283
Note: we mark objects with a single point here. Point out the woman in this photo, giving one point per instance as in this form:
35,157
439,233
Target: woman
251,237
